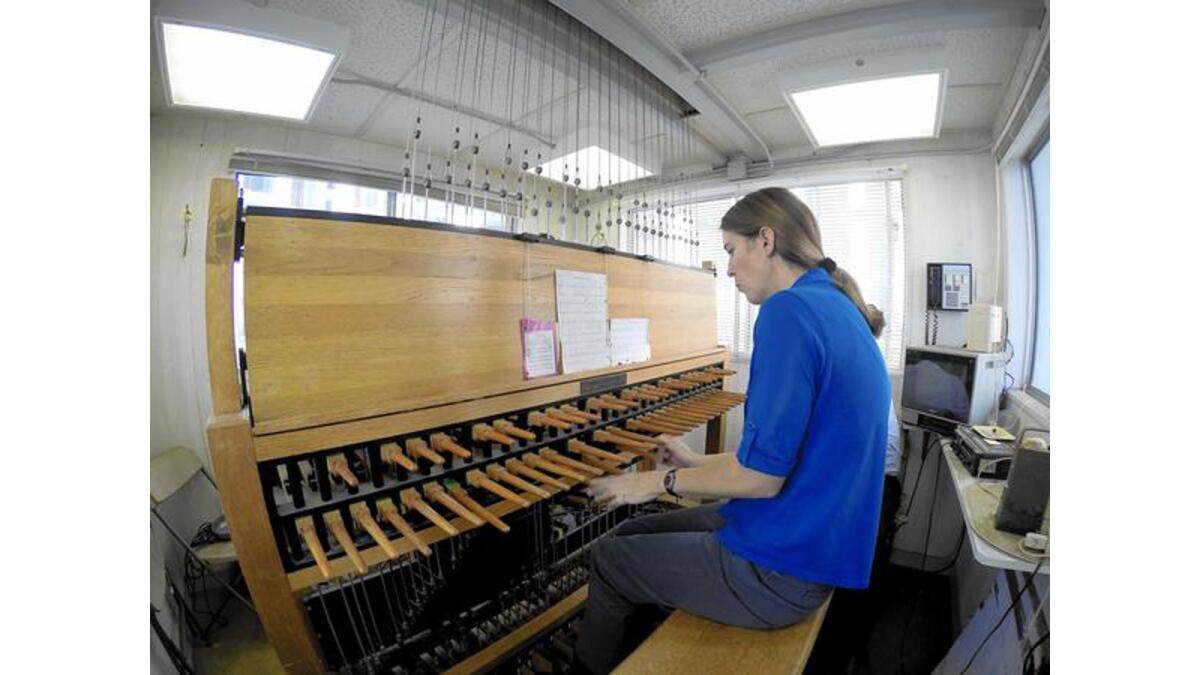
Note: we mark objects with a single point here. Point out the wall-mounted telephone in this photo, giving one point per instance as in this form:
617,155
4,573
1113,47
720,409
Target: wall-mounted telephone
948,286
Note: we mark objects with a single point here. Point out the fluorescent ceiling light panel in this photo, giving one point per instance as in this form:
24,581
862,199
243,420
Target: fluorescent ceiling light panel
884,109
594,166
210,68
234,56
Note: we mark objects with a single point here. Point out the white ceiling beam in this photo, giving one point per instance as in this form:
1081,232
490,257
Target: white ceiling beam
616,22
918,16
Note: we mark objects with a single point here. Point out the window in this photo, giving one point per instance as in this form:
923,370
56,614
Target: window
862,228
1039,181
321,195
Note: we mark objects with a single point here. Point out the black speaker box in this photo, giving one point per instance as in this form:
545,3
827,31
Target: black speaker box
1023,504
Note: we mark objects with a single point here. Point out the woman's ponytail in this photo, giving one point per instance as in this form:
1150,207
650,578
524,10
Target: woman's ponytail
797,239
845,282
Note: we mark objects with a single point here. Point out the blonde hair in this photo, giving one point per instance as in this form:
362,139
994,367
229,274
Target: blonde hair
797,239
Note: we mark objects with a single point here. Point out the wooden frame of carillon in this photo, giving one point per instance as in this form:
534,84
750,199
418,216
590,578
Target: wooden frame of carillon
362,332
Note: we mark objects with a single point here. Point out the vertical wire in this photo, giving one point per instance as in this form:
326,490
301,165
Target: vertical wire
487,182
460,58
476,85
426,40
579,89
360,588
321,592
350,615
564,147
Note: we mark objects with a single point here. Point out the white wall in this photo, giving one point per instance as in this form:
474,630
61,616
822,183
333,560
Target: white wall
950,214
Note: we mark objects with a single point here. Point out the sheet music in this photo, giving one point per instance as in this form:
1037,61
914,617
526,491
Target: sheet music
581,299
629,340
537,343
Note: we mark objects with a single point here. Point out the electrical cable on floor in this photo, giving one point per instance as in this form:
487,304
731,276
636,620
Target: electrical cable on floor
999,623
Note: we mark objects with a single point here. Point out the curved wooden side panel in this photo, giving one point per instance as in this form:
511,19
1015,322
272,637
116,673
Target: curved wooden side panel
218,297
232,447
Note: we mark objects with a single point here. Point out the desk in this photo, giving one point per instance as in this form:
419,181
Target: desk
984,553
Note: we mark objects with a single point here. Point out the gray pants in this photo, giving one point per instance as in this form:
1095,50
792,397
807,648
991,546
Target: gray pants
673,560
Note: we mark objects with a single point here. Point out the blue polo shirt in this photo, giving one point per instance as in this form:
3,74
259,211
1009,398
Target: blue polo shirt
817,414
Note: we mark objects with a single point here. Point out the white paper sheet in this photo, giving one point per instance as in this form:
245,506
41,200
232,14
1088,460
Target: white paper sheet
540,358
581,300
629,340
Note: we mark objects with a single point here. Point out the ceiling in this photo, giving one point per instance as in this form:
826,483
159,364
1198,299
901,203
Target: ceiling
741,49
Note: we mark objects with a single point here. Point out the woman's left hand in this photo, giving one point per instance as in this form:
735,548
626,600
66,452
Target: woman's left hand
630,488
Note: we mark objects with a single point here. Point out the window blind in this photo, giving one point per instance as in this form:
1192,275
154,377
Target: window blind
862,228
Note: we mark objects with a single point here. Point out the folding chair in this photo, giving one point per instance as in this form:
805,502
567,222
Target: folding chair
170,472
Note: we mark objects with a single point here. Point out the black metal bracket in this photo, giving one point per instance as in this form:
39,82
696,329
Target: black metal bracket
239,232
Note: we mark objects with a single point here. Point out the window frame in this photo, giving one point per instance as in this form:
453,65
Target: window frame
392,198
1039,143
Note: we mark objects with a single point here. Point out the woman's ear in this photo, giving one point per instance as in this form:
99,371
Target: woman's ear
766,240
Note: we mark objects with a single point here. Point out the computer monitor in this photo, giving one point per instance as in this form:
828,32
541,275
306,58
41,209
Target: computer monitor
945,387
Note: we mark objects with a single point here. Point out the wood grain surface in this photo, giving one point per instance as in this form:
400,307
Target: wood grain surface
347,320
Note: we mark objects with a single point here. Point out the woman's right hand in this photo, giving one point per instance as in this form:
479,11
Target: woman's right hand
672,449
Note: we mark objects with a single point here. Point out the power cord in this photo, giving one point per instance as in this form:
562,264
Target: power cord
903,518
1027,662
999,623
194,571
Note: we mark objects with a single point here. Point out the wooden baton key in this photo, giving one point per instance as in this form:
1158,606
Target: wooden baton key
499,473
443,443
607,467
666,421
636,447
475,507
387,508
581,448
417,447
651,427
308,533
565,416
521,468
594,403
539,462
412,500
685,414
540,419
476,478
556,458
362,516
333,523
506,427
392,454
438,494
633,435
613,400
570,410
482,432
338,465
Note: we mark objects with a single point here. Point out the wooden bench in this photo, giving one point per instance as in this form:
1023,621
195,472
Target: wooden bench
686,644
